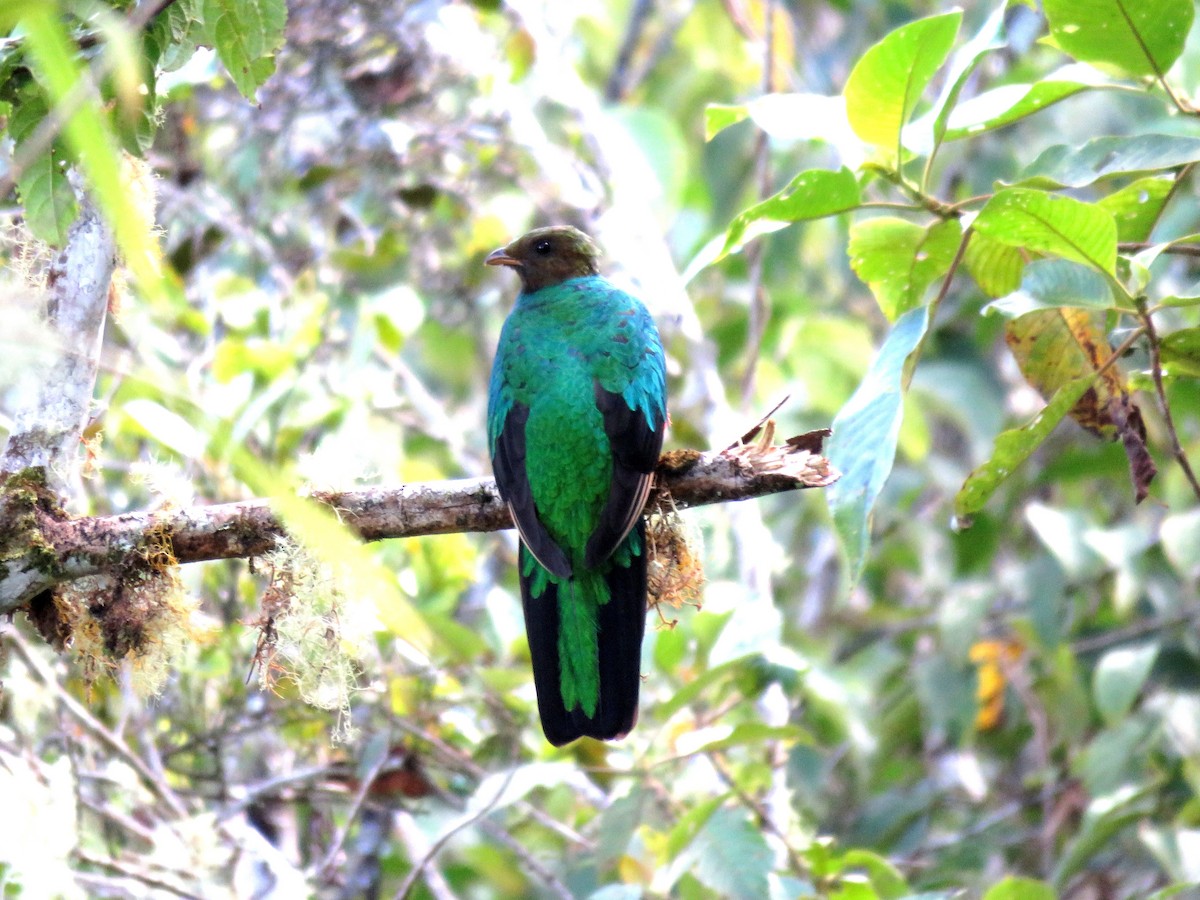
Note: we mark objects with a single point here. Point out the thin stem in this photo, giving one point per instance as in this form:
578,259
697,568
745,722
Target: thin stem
1160,390
757,324
934,304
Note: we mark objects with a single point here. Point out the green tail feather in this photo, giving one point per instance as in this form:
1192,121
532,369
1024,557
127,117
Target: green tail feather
578,644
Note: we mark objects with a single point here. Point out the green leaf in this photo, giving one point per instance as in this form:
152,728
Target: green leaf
899,259
1119,678
1136,207
167,428
1048,223
1143,37
756,733
1105,817
810,195
49,199
246,34
1108,157
729,855
1010,103
927,135
1012,448
617,824
719,116
886,880
996,267
1180,352
1051,283
863,446
888,80
1012,888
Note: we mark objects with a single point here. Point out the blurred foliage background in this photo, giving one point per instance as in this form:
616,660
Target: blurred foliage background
1010,709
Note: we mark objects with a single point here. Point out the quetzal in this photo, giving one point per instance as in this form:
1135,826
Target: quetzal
576,411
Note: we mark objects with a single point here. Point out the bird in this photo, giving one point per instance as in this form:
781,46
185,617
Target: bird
577,409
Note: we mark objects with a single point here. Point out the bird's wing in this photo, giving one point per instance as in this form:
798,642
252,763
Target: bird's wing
508,465
635,444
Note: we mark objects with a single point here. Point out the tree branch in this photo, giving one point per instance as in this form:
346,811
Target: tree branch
53,409
53,548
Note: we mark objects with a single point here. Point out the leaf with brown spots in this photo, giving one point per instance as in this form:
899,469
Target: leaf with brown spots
1055,346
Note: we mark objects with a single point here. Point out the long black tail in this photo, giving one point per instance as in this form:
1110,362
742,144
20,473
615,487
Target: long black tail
622,624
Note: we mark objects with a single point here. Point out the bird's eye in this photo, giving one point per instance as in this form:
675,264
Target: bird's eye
542,247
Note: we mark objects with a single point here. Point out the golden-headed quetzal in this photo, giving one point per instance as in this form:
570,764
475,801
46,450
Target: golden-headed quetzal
576,411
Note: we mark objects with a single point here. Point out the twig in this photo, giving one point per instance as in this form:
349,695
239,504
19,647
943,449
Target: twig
718,762
1160,390
935,303
1040,721
1176,249
113,741
539,871
128,870
756,325
410,880
356,804
1130,632
638,17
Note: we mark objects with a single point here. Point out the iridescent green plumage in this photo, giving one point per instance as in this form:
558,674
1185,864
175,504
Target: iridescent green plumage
576,413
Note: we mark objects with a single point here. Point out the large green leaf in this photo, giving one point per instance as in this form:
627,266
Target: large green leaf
1049,223
1180,352
1010,103
863,446
1013,447
888,80
962,67
1107,157
899,259
1050,283
1143,37
1119,678
729,855
1020,889
47,195
996,267
810,195
1137,207
246,34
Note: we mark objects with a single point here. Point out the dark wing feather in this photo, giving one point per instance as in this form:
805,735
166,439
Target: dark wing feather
621,623
508,465
635,448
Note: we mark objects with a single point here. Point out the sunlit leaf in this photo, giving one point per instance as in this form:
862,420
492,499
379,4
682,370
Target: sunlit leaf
1007,104
889,79
1137,206
1049,223
1012,888
719,116
810,195
863,446
899,259
925,135
1143,37
996,267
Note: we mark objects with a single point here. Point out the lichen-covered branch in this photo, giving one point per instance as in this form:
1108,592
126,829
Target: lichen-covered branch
62,549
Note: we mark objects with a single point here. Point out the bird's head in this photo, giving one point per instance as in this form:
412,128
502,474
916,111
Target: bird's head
548,256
